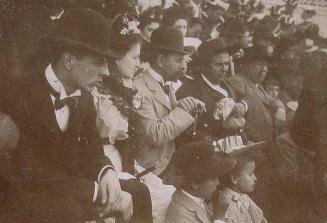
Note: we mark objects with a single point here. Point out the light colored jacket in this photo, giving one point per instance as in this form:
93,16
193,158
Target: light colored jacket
157,124
183,209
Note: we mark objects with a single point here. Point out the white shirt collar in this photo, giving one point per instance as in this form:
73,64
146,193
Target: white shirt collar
57,85
215,87
55,17
156,76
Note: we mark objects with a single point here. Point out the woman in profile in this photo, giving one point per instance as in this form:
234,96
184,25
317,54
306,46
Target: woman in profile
117,99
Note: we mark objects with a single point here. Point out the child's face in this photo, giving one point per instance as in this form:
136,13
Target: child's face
246,179
273,90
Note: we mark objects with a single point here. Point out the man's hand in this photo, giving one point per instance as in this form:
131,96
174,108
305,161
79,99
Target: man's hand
239,110
280,116
191,104
109,191
125,206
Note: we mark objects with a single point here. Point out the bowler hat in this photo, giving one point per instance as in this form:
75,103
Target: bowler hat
86,29
168,39
199,161
255,53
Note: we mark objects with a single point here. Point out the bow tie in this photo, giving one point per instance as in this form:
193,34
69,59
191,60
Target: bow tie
72,102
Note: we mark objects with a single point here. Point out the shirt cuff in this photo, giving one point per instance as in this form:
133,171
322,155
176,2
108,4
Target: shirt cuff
246,105
104,169
96,189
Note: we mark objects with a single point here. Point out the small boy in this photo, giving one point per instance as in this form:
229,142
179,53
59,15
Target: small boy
235,185
197,167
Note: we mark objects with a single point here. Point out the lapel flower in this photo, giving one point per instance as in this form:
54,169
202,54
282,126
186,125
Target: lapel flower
137,100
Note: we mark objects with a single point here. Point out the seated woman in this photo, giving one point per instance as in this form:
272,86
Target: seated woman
114,100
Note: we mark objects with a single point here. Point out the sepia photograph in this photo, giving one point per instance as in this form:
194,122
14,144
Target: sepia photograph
163,111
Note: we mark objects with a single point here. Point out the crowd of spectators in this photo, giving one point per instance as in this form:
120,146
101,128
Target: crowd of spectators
162,111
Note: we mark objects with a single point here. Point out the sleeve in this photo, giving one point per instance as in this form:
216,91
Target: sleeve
160,130
92,151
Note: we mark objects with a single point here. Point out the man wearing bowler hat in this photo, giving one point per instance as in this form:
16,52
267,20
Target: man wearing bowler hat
161,118
212,88
269,111
63,175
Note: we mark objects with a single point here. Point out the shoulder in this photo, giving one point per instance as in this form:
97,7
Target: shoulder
9,133
177,212
189,88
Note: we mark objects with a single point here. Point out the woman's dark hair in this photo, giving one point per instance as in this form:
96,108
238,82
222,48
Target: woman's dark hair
172,14
122,36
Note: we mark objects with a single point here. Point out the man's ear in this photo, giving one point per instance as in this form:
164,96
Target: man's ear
68,60
234,179
160,60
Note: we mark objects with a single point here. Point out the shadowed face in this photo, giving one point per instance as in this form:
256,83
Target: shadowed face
217,67
246,179
173,66
88,72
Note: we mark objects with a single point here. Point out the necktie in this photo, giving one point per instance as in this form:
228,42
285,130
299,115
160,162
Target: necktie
72,102
170,92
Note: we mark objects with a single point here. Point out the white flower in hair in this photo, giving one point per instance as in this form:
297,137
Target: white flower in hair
124,31
132,26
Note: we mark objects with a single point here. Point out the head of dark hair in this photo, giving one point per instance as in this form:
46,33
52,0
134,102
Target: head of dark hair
57,51
151,15
172,14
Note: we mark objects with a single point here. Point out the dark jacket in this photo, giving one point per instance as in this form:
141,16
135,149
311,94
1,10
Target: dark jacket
47,159
201,90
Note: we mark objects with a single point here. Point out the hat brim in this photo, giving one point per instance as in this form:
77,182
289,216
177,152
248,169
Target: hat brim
73,43
184,51
253,151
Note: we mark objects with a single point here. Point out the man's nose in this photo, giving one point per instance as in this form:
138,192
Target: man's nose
226,66
104,70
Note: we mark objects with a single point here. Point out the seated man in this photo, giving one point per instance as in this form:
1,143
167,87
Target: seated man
268,111
63,173
161,118
198,166
225,111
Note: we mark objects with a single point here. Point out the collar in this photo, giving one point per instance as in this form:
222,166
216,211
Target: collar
196,199
215,87
57,85
56,17
156,76
127,82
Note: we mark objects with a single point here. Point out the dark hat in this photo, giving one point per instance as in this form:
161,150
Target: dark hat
168,39
199,161
267,29
212,47
253,54
234,26
84,28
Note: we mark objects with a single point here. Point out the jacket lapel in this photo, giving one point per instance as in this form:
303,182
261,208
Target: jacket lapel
259,92
192,206
157,90
42,101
